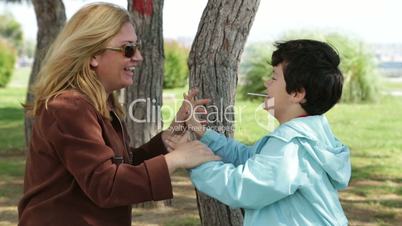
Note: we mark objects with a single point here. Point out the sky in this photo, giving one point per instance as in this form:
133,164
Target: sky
372,21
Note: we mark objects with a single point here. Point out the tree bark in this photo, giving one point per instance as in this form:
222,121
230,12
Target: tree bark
144,98
213,62
50,17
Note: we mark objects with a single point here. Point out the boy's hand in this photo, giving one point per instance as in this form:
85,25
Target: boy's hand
196,126
194,123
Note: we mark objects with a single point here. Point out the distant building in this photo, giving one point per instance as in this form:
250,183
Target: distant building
390,68
389,58
24,61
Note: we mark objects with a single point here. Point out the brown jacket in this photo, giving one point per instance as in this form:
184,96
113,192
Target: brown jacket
79,172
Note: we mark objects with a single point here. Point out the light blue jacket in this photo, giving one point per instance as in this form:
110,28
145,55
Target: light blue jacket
289,177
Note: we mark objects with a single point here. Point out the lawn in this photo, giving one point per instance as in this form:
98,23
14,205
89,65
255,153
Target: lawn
372,131
393,85
11,113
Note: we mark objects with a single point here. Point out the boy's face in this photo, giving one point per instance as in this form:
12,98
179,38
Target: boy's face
278,99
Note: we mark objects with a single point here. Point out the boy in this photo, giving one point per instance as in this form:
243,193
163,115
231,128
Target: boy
291,176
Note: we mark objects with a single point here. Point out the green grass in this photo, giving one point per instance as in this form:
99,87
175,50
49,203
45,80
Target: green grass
252,121
20,77
11,113
183,221
392,85
373,133
11,168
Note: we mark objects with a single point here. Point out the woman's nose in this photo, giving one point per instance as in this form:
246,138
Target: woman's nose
137,56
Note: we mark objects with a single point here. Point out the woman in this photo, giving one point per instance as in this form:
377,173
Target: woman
79,169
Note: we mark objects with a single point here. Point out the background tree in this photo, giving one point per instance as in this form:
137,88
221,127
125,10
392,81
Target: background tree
213,62
50,17
148,78
11,30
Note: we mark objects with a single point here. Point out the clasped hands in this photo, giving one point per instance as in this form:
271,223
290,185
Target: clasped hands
181,139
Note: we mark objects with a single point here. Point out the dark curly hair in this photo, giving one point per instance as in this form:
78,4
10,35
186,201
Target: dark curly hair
313,66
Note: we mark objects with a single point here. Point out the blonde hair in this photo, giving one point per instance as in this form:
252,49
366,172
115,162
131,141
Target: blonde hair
67,63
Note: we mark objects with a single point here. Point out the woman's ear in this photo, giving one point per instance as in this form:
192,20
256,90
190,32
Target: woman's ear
94,61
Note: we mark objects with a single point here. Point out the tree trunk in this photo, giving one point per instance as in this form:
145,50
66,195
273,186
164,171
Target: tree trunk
213,62
50,17
144,98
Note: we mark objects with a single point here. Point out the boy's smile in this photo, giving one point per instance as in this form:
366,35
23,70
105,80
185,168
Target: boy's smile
282,105
276,90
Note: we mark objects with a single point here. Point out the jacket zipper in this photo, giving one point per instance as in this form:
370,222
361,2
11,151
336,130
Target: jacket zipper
124,136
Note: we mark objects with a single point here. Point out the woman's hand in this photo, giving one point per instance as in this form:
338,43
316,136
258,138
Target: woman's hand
187,110
189,155
172,141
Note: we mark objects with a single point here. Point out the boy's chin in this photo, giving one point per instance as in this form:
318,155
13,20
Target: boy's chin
269,109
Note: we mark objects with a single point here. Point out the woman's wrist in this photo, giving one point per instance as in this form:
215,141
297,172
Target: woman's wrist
166,134
171,163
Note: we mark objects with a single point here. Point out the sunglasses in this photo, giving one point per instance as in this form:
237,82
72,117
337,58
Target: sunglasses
128,49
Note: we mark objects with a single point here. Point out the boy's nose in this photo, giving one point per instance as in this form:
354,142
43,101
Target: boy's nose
266,84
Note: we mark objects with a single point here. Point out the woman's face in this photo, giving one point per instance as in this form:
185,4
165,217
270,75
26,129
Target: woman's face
113,68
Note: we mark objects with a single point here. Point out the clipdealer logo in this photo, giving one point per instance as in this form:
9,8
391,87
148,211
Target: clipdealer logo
147,110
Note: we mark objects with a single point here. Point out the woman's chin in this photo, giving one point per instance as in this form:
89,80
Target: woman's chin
128,81
128,75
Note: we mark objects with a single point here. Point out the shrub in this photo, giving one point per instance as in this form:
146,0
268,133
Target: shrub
176,69
359,68
7,61
255,68
11,30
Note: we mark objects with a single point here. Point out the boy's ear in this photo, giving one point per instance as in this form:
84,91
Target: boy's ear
299,96
94,61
